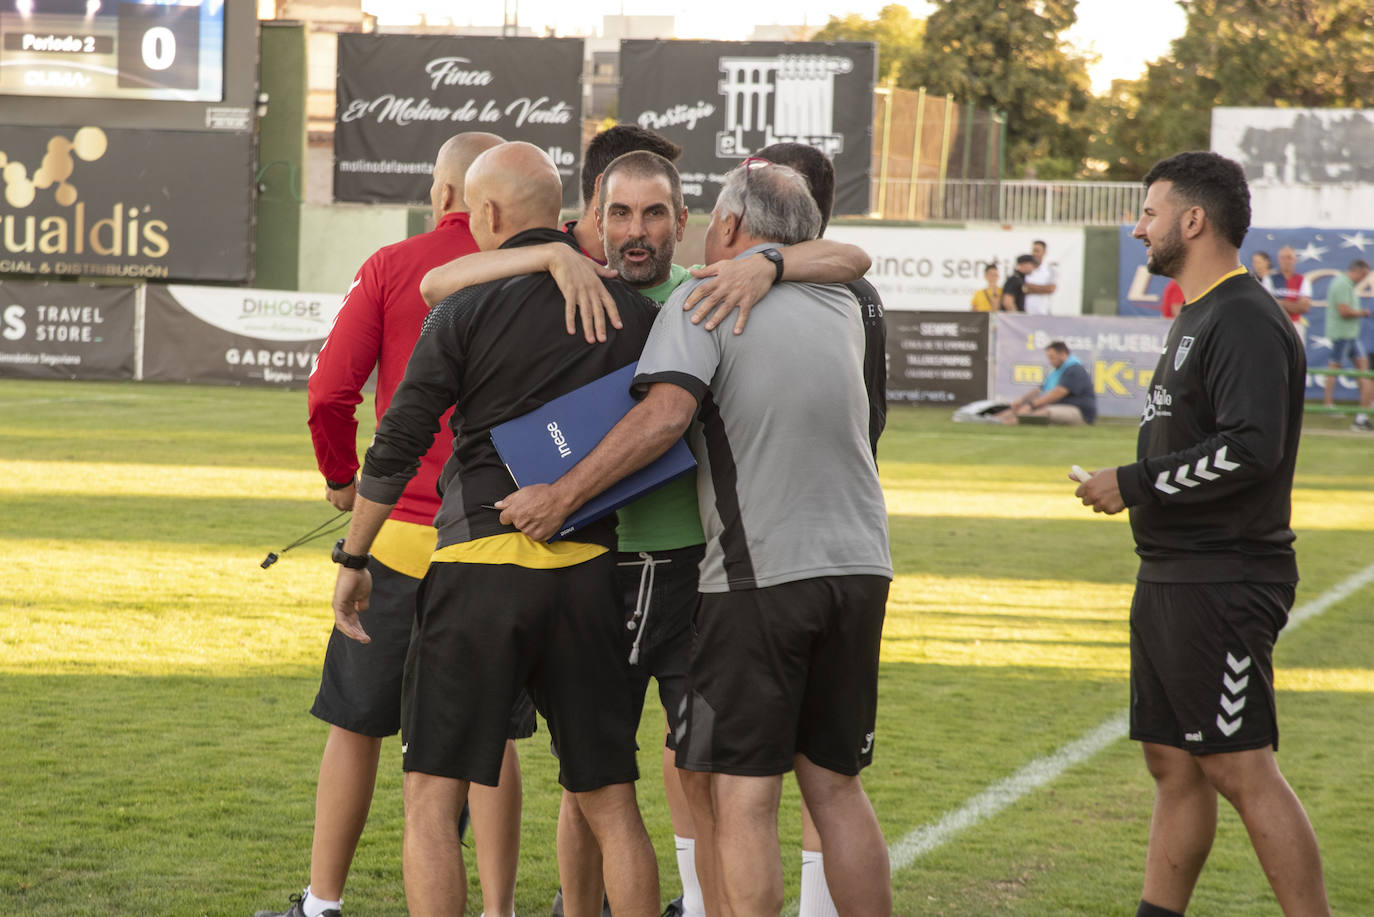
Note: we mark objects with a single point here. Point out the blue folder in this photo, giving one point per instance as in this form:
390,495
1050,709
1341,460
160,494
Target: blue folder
539,447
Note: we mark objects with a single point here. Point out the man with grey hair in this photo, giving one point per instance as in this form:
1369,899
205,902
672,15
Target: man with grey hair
795,577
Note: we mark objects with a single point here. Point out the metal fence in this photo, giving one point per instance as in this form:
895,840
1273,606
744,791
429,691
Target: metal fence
1074,203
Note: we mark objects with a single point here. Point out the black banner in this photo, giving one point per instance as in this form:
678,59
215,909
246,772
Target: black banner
236,336
937,357
401,96
66,331
724,100
162,205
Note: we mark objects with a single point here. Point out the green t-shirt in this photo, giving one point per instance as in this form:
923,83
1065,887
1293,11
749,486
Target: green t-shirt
667,518
1338,327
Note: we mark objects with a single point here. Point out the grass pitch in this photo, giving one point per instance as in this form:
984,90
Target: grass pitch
157,756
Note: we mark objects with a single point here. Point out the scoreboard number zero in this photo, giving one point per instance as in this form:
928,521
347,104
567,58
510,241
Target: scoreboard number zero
159,46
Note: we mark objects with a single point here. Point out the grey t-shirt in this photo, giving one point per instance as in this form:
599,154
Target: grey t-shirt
787,485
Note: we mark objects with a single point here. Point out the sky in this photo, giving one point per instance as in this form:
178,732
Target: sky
1124,45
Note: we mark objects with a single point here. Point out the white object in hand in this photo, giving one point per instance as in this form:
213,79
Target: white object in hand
1078,474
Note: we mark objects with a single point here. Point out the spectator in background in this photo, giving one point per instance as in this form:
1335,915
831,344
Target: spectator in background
1014,293
1261,265
1065,398
1291,289
988,299
1343,314
1041,282
1172,300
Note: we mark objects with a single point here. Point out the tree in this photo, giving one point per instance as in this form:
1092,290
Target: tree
1299,53
896,32
1008,55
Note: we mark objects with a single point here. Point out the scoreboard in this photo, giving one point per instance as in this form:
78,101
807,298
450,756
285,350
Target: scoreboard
108,49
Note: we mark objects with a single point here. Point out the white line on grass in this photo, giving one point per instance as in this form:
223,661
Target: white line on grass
1041,771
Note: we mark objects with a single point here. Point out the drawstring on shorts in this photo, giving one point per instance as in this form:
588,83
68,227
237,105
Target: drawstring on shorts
639,620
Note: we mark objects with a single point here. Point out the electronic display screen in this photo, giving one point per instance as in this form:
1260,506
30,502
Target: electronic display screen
108,49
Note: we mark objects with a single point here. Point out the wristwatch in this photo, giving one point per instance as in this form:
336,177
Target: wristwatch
775,256
341,485
344,559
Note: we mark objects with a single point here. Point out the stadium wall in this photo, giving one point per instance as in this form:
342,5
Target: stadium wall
281,156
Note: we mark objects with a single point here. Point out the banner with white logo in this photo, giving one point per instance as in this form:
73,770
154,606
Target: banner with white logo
98,202
1305,146
941,269
723,101
238,336
401,96
1121,355
66,331
937,358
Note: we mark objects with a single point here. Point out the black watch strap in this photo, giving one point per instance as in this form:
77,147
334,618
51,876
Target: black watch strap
775,256
340,485
344,559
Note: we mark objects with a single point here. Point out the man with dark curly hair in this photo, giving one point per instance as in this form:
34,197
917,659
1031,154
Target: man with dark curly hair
1211,499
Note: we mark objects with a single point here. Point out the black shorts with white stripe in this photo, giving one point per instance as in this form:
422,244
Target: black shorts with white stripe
1202,670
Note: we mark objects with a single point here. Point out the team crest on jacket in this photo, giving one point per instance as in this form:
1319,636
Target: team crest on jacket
1184,345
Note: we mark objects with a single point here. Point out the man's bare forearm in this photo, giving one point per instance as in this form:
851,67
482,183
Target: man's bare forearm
480,267
824,261
640,437
368,516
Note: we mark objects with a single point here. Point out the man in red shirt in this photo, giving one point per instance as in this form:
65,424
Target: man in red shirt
1291,289
360,689
1172,299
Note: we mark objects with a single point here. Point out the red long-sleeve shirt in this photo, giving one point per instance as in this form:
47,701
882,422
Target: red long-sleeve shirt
376,329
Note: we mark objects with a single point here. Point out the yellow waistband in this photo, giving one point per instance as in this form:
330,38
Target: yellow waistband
405,547
515,548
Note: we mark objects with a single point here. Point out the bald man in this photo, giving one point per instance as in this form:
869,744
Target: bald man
360,691
499,611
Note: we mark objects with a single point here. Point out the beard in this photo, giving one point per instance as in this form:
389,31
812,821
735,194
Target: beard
1167,256
651,271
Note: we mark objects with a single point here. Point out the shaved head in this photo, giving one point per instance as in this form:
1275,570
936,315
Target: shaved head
510,188
451,164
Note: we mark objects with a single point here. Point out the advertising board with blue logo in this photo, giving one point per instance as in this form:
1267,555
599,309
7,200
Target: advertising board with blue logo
1321,255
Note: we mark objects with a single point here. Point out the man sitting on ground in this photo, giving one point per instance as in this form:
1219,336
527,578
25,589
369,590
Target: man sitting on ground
1065,398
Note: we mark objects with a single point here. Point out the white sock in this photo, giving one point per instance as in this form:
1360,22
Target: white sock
314,907
815,894
692,904
1361,417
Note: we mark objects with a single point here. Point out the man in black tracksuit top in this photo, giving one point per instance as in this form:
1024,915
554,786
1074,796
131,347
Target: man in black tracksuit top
496,611
1210,501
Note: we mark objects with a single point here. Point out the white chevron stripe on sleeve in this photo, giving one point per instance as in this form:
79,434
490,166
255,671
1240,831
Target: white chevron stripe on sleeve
1162,484
1201,471
1181,477
1220,460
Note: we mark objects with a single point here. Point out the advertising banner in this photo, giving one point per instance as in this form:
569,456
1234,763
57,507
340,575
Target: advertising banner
66,331
1321,254
723,101
401,96
937,358
1306,146
1120,353
236,336
96,202
941,269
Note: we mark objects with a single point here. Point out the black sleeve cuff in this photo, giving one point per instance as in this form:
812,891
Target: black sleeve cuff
686,381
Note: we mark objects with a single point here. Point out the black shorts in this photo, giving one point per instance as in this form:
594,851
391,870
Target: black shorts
1202,664
660,592
360,689
485,632
782,671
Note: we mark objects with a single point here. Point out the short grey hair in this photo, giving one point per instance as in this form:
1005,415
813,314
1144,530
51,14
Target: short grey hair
778,208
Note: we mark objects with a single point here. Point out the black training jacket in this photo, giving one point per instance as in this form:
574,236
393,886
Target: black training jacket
1211,494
